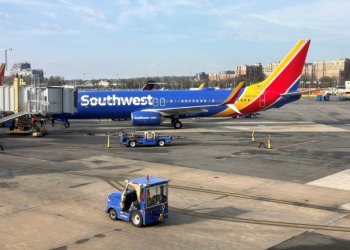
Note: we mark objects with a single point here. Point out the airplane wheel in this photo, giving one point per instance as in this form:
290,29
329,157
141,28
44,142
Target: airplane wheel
161,143
132,144
112,214
177,124
66,124
136,218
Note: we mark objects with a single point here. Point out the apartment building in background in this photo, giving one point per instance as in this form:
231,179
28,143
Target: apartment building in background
222,76
252,72
339,70
24,69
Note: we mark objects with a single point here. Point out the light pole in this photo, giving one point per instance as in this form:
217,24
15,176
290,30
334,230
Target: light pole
6,49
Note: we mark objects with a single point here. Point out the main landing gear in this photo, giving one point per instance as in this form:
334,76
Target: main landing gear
176,123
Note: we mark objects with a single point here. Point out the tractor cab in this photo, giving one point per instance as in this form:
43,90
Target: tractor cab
143,201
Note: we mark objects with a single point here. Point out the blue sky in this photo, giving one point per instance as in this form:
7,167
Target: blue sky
133,38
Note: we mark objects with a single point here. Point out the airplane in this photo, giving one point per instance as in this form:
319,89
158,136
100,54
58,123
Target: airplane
202,86
150,85
2,73
151,107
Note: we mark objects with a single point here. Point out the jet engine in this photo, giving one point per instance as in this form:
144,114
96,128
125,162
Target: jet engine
145,118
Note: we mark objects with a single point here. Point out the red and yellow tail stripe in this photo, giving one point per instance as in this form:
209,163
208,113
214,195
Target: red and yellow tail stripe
279,82
234,95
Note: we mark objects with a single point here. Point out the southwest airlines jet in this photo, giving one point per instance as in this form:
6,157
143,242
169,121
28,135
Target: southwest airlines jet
152,107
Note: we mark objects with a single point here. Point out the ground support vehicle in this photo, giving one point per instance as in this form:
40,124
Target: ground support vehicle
147,139
143,201
21,126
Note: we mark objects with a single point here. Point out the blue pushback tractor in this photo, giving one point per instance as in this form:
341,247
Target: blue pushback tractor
143,201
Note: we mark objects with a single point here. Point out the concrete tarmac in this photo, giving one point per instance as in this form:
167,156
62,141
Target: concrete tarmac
226,192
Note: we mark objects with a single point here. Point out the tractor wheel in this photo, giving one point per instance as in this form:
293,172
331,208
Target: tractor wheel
112,214
136,218
161,143
132,144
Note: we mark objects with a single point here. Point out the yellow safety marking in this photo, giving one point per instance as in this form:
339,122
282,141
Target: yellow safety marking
295,144
261,222
116,184
260,198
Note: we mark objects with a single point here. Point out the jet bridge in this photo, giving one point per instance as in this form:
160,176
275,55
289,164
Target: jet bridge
20,99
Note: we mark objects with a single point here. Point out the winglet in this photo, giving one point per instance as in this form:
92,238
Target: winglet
234,95
2,73
201,86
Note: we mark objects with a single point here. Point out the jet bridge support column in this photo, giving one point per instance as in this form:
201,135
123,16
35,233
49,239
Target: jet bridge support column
16,95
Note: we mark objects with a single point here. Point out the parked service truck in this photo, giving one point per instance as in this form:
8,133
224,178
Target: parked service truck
147,139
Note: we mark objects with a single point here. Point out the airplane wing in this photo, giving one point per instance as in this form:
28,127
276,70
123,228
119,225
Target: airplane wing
200,108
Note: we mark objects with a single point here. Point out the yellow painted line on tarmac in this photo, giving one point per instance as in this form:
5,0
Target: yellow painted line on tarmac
260,198
261,222
295,144
119,186
116,184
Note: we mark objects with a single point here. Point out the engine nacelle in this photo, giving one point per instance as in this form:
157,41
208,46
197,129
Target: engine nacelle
144,118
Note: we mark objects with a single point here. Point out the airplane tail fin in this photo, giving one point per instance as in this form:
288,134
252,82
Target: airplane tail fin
234,95
285,78
2,73
201,86
149,85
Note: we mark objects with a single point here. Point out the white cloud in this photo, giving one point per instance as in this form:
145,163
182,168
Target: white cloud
54,28
90,13
276,21
4,15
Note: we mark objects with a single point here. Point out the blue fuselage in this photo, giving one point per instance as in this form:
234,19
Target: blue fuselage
120,104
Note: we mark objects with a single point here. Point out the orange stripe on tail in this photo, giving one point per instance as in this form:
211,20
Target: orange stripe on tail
234,95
